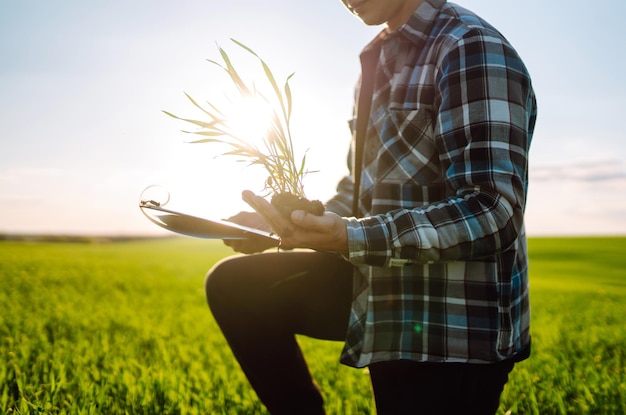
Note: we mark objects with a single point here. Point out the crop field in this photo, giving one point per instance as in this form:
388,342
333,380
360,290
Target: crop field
123,328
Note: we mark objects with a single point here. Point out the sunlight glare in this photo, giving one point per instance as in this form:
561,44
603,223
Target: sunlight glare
250,118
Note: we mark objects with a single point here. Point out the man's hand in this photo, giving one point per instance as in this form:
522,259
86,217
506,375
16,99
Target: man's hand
304,230
251,245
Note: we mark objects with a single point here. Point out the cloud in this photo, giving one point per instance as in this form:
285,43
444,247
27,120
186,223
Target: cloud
577,198
585,170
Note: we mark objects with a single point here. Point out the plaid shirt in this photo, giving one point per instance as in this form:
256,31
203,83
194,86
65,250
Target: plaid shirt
440,249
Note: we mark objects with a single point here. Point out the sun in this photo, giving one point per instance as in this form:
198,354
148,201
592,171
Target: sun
250,118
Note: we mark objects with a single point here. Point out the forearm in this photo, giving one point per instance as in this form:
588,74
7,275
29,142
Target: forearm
467,227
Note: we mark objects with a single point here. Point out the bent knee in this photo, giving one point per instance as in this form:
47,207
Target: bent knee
214,279
221,281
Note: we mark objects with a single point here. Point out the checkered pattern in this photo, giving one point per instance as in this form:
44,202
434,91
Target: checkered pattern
440,247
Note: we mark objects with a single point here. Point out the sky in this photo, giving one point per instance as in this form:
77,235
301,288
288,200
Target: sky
83,86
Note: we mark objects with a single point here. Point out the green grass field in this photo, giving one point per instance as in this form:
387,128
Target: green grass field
123,328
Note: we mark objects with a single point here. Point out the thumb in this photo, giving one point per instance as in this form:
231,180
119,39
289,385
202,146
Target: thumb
306,220
298,216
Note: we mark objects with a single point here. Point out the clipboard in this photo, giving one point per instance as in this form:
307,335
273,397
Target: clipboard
197,227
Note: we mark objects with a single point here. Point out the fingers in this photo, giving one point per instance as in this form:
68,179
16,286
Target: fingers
257,203
248,197
298,216
302,230
312,222
327,232
249,219
248,246
280,225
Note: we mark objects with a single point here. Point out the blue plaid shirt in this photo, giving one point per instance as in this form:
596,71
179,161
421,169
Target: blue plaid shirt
440,250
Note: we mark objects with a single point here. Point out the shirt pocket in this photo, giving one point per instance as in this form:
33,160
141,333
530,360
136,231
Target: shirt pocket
407,151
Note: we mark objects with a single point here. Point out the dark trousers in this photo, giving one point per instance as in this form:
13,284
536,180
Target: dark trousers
262,301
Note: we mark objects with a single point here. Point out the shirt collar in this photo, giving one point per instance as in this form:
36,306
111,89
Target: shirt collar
418,26
420,23
416,29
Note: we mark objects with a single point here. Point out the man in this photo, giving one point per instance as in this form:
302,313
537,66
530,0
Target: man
423,270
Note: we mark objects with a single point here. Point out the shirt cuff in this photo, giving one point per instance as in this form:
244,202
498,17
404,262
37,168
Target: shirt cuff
369,244
357,247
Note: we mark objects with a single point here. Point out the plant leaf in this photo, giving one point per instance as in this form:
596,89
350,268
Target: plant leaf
234,75
276,155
